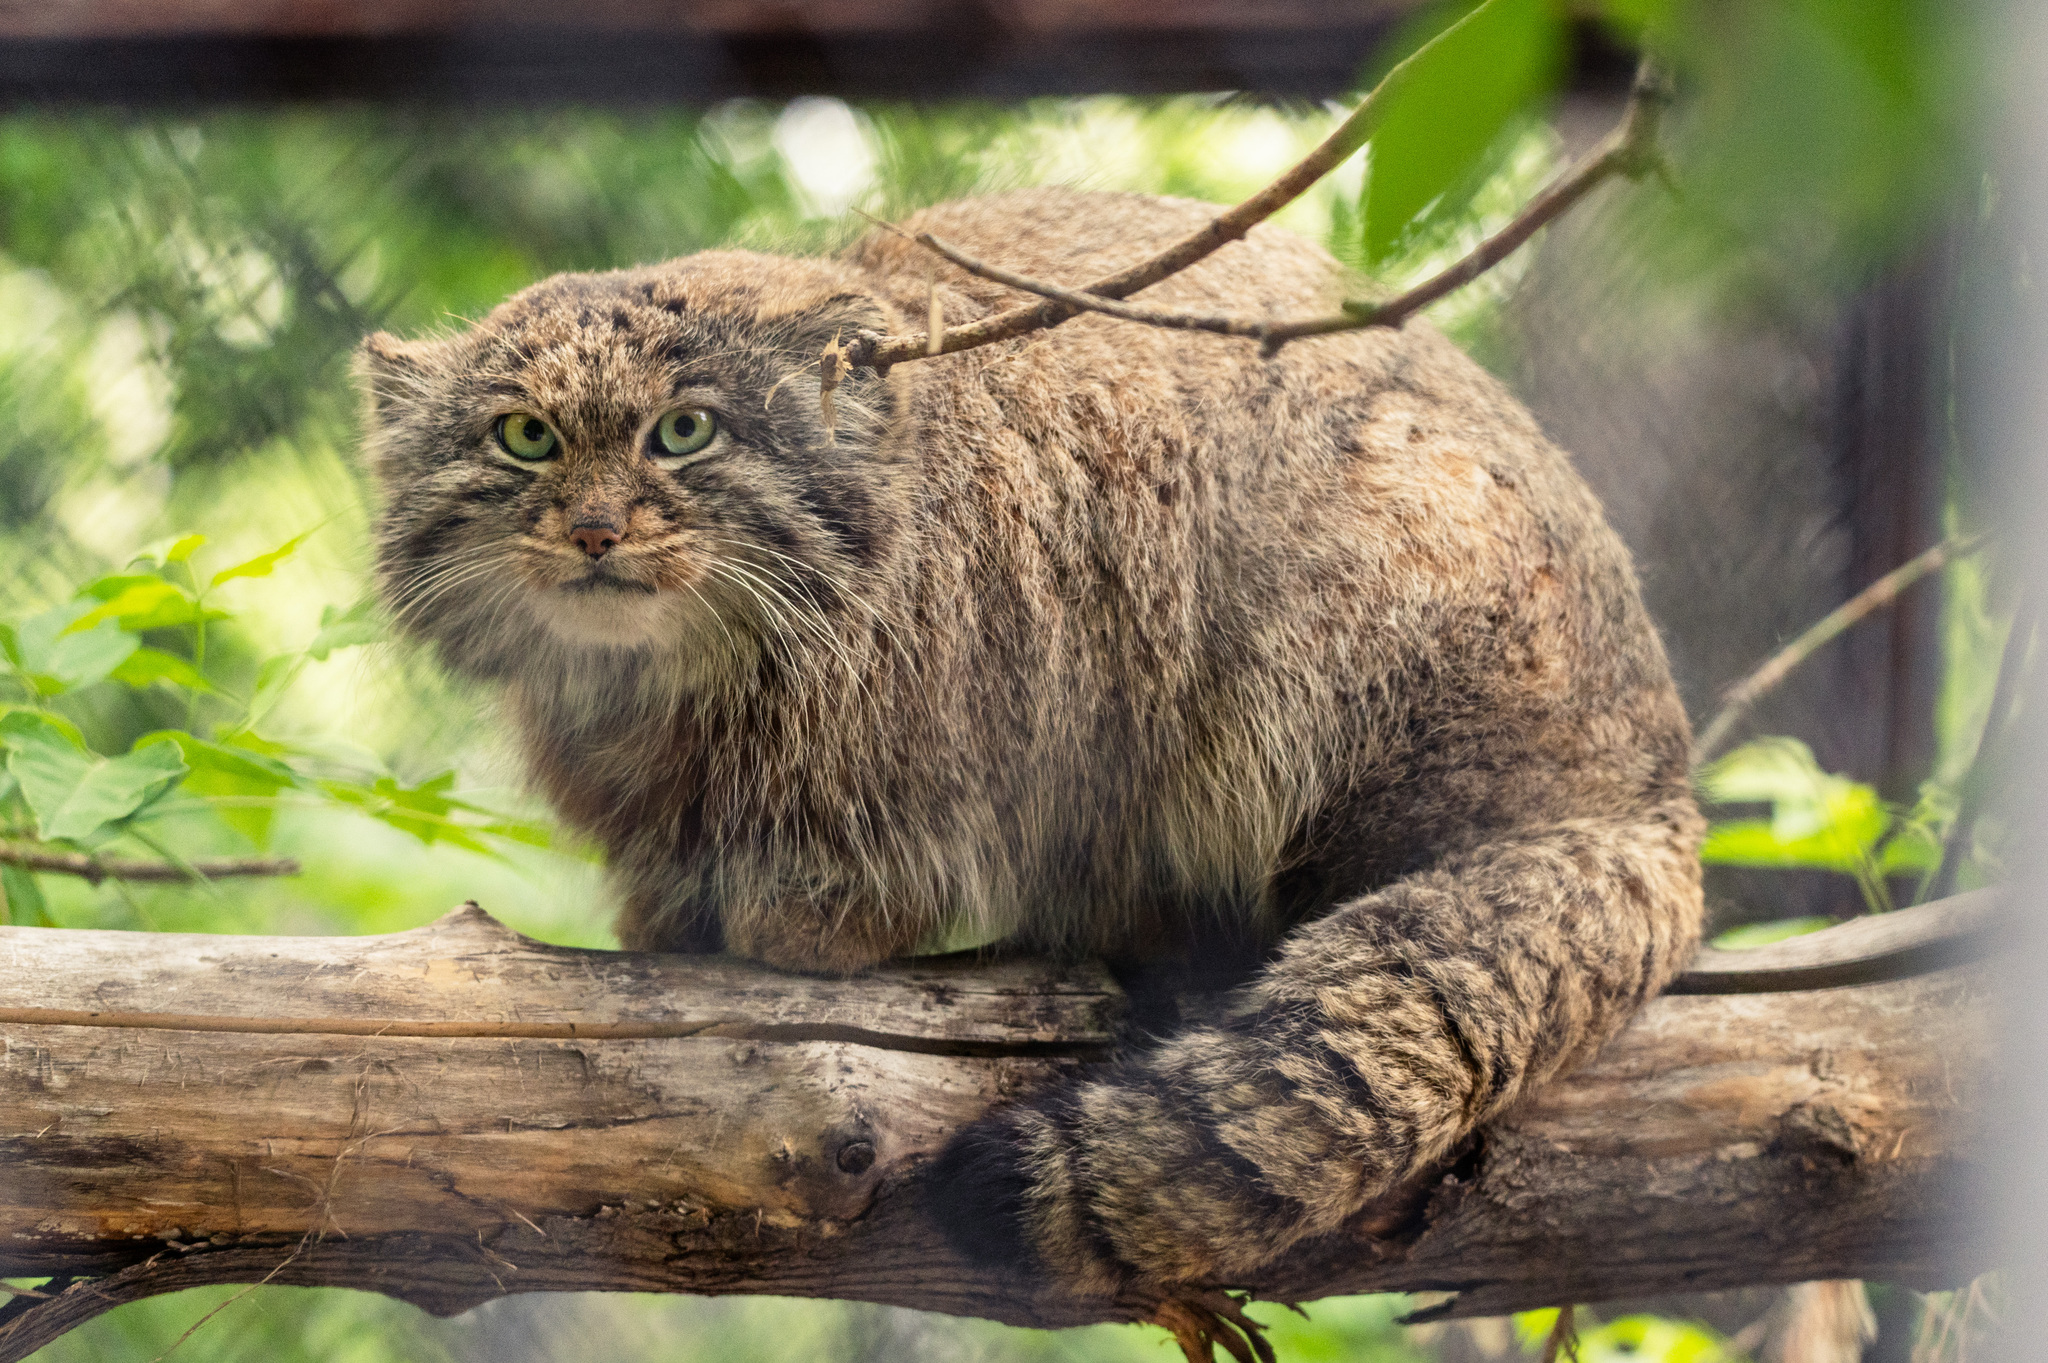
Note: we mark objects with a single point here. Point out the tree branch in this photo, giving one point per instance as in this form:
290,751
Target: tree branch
879,352
1738,699
1630,150
36,857
454,1113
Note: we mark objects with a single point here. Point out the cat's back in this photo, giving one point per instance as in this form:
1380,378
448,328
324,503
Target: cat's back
1374,469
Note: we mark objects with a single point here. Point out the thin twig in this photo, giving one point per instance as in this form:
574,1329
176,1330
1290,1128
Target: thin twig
1563,1340
1630,150
1739,699
94,869
876,351
194,1327
1963,832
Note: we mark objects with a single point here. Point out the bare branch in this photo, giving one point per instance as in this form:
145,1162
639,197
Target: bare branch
1630,150
1879,594
879,352
34,857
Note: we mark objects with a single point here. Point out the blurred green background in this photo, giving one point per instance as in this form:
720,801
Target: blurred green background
180,293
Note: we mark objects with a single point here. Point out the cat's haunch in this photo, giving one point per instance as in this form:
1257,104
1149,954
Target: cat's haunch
1321,674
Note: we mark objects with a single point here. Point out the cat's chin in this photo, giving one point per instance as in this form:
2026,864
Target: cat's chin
612,618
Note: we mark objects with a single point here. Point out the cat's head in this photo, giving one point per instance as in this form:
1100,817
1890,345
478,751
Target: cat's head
635,460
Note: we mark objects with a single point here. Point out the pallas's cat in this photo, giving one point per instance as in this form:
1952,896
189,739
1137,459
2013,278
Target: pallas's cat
1319,673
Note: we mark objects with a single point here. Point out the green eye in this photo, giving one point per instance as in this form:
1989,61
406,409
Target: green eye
525,436
684,431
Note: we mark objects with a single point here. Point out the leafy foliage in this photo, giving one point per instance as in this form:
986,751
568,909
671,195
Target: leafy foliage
69,795
1818,820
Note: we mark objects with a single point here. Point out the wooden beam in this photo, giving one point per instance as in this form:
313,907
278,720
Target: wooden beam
457,1112
696,52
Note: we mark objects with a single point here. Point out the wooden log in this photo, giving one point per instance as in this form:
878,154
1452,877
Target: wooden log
457,1112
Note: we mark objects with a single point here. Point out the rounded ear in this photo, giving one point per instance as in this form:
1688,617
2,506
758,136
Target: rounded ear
842,313
392,373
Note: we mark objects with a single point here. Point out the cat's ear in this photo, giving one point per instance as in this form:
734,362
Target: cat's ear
812,322
391,373
865,404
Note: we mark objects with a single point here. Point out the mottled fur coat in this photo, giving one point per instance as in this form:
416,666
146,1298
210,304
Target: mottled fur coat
1321,673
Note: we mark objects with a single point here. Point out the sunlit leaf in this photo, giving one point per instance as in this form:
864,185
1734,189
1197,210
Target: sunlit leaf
1632,18
273,678
262,564
136,598
1652,1339
147,666
1755,842
16,719
1763,934
60,658
218,770
346,628
1818,820
176,549
1914,847
74,793
1456,102
26,906
140,602
426,810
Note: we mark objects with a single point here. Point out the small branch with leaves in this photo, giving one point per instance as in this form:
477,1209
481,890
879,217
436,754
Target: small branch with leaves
1630,151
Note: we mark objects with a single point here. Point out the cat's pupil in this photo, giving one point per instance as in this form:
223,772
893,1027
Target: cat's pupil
533,430
686,427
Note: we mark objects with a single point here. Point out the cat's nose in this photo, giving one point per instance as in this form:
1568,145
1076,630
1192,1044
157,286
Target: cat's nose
594,539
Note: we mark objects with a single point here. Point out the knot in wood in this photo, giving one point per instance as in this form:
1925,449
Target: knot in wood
856,1157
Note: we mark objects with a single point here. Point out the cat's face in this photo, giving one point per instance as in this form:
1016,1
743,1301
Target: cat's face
635,460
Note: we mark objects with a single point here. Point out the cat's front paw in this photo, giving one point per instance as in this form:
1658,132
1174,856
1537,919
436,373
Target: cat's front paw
811,938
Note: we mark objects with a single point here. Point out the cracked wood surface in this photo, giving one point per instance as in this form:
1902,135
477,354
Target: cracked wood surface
451,1113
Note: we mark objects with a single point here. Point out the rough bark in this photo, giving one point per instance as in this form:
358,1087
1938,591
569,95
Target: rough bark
456,1112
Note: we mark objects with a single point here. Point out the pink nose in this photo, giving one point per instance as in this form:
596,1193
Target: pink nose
594,540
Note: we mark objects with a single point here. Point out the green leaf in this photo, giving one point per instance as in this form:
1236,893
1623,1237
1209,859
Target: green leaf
74,793
10,645
23,719
176,549
1763,934
262,564
147,666
59,658
1754,842
273,678
137,598
1653,1339
1914,847
425,810
1456,102
141,602
218,770
1817,819
26,906
345,629
1632,18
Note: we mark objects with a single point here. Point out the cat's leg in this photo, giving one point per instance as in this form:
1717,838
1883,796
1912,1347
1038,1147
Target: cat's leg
825,934
1374,1043
653,920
